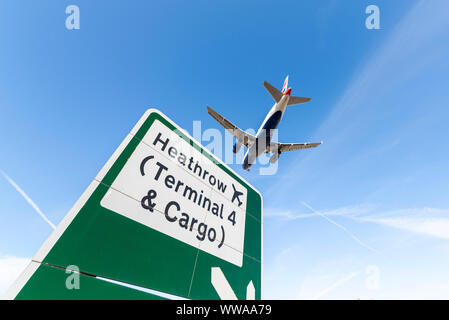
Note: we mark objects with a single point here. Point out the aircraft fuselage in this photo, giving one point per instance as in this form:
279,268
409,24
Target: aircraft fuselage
265,132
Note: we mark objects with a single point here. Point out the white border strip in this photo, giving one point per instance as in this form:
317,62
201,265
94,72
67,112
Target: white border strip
143,289
17,286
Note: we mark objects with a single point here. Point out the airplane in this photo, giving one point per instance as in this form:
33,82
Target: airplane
261,142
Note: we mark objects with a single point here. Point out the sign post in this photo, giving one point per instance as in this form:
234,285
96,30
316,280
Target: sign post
163,214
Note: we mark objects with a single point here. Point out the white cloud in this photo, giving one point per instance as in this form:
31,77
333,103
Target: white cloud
336,284
290,214
10,269
428,221
353,236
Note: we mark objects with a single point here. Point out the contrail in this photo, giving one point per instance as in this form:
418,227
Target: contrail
342,228
336,284
28,199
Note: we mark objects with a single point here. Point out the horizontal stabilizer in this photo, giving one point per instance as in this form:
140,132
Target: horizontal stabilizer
275,93
297,100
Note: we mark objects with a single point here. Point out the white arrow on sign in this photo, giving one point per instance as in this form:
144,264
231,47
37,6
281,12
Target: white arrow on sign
223,288
250,291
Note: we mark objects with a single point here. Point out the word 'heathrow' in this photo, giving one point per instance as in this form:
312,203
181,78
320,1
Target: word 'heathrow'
182,159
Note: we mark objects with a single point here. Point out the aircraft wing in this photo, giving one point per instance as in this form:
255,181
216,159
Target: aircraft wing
282,147
242,137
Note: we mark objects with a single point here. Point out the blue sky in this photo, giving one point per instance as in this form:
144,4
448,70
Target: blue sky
365,215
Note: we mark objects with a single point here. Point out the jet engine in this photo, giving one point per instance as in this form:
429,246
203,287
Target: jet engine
275,157
237,146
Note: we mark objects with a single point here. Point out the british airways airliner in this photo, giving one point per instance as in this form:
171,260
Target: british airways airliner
262,141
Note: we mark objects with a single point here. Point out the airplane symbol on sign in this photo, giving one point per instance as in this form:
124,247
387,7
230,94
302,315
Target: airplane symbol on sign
236,195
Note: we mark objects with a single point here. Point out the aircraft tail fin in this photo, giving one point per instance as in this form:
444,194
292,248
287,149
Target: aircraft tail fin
277,95
285,86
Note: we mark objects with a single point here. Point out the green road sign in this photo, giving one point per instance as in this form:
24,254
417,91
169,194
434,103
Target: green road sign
163,214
